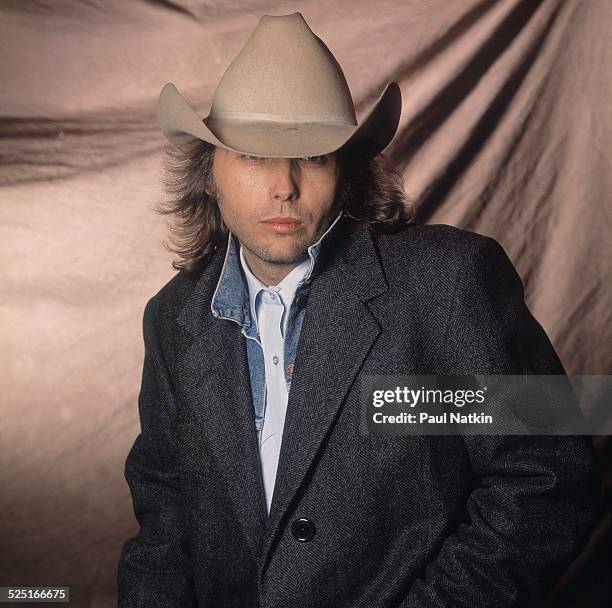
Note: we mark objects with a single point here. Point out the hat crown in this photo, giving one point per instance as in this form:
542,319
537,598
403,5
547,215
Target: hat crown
284,73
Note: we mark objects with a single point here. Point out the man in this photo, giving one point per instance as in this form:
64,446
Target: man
302,274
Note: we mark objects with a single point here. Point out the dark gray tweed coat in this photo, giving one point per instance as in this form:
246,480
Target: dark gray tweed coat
394,522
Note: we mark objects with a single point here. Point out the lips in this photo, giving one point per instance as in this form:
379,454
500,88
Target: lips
282,225
282,220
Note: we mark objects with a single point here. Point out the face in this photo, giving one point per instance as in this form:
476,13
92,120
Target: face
276,207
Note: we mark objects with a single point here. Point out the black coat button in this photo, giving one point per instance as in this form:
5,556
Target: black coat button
302,529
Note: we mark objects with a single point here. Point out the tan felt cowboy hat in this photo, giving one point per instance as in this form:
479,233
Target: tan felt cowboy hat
284,95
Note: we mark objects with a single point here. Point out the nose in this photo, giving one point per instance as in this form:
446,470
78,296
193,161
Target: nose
285,180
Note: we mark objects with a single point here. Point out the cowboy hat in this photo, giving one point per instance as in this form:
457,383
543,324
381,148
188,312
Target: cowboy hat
284,95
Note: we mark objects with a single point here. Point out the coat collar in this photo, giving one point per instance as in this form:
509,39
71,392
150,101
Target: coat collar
338,331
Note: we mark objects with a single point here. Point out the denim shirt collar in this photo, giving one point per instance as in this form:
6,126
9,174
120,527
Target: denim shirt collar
231,296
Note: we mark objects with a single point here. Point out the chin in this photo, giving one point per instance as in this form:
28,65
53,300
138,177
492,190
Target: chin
286,255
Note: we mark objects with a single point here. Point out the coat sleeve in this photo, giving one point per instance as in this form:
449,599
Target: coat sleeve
534,499
154,568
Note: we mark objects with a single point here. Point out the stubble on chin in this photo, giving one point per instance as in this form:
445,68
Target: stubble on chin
268,255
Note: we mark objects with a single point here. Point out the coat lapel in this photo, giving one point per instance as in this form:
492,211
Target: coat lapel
337,333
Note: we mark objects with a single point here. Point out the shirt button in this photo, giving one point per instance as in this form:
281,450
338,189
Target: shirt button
272,296
275,360
289,370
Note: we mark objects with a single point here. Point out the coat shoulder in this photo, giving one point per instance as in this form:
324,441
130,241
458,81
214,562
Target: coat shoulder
170,298
432,246
173,292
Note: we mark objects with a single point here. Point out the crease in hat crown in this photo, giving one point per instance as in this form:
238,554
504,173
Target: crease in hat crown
284,73
283,95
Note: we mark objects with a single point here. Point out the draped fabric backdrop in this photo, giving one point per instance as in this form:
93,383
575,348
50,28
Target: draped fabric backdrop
505,131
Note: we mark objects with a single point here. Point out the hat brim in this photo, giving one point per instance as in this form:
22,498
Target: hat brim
180,123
